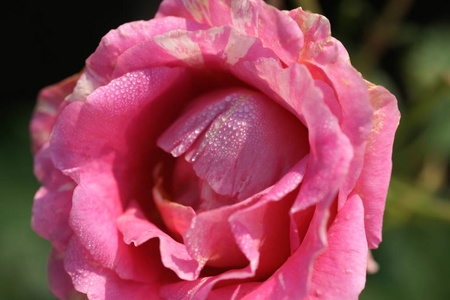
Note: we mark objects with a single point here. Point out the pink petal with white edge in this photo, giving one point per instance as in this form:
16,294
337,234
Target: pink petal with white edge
107,145
328,61
249,18
138,230
217,47
340,271
47,109
373,183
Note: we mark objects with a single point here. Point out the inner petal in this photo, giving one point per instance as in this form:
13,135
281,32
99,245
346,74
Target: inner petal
238,142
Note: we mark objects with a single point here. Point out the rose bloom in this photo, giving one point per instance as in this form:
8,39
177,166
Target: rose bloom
222,150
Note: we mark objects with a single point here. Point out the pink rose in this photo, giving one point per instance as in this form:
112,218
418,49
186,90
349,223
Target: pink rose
223,150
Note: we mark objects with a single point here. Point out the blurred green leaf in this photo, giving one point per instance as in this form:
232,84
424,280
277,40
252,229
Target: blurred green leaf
427,66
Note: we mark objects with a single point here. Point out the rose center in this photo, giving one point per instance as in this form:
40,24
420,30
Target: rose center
231,144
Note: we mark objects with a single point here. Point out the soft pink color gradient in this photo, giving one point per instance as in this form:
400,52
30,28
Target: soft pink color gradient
222,150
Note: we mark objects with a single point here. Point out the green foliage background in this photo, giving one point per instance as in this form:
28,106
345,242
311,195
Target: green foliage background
401,44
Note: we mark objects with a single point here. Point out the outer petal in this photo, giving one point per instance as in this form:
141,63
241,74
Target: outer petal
340,271
373,182
328,61
249,18
101,64
60,282
101,283
52,202
218,48
46,110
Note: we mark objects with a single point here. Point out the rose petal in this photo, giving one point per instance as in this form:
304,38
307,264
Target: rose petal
249,18
101,64
52,201
242,230
330,154
232,292
136,229
218,47
95,210
328,60
251,141
210,240
262,230
98,283
290,281
330,150
108,151
340,271
372,185
199,289
176,217
46,110
60,283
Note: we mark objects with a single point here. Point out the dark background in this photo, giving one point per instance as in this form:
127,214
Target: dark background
402,44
